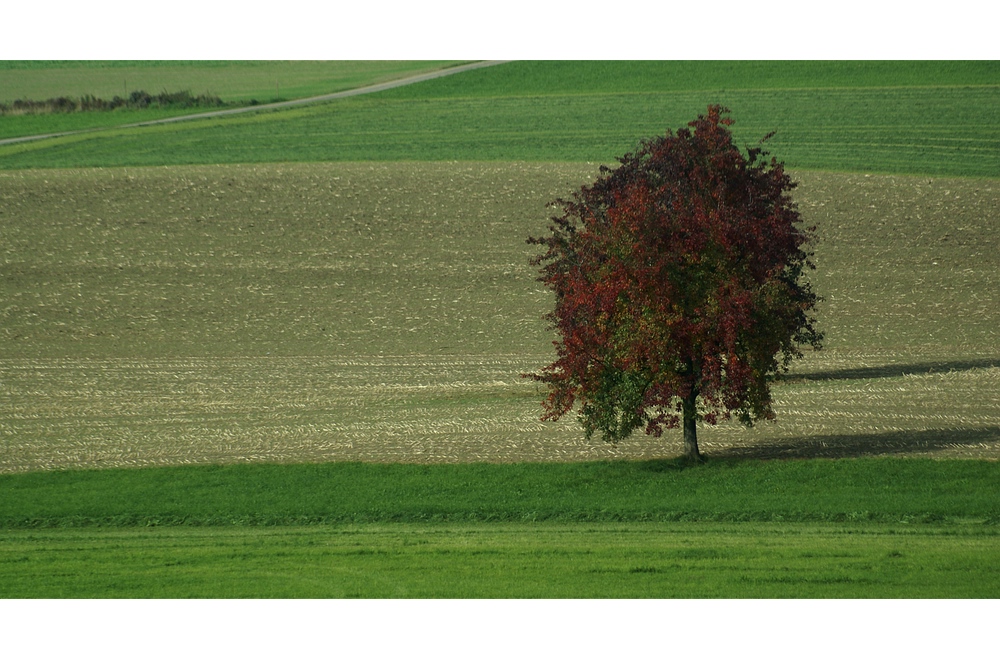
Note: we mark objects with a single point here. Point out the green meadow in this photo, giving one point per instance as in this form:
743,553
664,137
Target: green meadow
500,560
279,354
861,528
906,117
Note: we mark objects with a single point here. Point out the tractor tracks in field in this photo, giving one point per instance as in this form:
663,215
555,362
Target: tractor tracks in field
368,89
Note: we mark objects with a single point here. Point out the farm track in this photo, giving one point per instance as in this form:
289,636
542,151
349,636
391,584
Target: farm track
929,130
323,98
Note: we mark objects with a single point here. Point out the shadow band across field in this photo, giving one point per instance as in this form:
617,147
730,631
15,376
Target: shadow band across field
900,443
895,370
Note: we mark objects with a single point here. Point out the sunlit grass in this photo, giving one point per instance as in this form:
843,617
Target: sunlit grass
504,561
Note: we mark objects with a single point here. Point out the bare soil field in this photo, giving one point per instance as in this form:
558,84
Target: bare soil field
385,312
86,413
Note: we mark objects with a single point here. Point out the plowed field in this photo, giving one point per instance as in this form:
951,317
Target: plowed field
385,312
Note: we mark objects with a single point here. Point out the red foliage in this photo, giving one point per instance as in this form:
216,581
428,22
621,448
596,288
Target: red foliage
677,276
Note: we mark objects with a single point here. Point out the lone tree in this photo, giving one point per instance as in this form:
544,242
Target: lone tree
678,282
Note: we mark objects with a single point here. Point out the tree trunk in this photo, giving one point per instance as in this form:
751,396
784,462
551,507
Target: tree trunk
691,427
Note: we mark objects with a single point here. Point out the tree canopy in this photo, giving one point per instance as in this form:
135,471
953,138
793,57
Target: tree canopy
679,289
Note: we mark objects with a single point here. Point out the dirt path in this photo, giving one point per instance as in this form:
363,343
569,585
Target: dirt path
370,89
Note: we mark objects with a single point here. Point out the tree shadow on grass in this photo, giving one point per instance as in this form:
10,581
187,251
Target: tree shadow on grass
959,443
893,370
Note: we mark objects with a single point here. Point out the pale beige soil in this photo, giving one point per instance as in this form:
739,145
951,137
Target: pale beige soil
62,413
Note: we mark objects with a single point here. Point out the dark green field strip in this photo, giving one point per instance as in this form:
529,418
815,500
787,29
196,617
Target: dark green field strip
552,560
885,490
595,77
932,130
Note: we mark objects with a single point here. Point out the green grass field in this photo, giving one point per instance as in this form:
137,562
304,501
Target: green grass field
876,528
894,491
935,119
348,284
568,78
556,560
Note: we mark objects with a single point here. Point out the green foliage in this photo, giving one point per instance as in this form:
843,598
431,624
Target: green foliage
614,408
137,100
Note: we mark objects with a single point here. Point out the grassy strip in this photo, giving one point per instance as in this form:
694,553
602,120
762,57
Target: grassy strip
48,124
504,561
890,490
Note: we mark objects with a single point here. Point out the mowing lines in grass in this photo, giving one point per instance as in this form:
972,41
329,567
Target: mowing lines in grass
940,131
560,78
503,561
